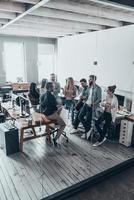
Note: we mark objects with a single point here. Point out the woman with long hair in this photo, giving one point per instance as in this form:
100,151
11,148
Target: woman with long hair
43,85
34,95
69,92
109,115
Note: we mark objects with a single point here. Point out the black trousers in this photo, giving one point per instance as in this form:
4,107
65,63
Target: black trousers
102,131
77,110
85,116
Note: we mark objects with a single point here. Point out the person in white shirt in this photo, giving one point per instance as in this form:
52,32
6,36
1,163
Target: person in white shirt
109,115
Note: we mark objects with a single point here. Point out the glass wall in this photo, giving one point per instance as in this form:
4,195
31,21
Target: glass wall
14,61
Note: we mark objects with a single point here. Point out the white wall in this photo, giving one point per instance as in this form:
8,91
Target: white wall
113,49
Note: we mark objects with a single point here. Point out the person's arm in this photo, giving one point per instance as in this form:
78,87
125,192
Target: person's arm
74,92
58,87
43,100
53,101
65,91
114,107
84,95
99,96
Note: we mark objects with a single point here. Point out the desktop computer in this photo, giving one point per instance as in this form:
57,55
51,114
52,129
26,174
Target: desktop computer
9,138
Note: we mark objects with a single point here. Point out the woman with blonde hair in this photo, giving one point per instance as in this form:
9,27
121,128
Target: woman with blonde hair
69,92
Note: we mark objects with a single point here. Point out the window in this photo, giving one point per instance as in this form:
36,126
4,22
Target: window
14,61
45,61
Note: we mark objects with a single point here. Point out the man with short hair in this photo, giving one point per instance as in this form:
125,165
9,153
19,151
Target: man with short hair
93,101
56,84
49,109
80,103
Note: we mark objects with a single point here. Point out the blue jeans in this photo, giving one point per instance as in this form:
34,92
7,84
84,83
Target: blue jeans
85,117
69,105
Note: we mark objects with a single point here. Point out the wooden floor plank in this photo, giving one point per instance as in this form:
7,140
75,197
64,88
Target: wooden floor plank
5,186
47,187
17,179
25,173
2,192
10,182
53,171
62,163
52,188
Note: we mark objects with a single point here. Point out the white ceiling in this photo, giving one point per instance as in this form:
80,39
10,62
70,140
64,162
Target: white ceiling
57,18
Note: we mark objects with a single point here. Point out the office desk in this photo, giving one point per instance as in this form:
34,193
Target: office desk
23,123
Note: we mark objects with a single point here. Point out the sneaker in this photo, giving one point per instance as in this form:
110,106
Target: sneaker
84,136
96,144
89,134
104,139
72,130
99,143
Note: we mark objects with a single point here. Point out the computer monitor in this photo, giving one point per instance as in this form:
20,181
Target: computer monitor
24,106
5,93
120,99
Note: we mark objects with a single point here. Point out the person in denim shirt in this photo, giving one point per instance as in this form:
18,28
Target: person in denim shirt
93,101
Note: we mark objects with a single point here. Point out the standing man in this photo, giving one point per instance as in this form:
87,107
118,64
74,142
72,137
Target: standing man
89,108
56,85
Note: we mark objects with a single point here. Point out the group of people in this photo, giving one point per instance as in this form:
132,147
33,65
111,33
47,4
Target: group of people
89,101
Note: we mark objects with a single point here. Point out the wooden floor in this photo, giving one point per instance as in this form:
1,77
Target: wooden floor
43,170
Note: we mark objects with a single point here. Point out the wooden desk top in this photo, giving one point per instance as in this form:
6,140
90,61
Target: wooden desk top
23,122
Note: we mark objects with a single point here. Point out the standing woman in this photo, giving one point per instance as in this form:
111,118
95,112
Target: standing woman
43,85
109,115
69,92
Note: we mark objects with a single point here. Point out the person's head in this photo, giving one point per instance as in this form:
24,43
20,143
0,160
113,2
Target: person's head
83,82
33,87
92,80
111,89
70,81
33,90
52,77
49,86
44,82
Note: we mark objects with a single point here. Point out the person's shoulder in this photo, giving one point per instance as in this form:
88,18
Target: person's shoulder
115,97
98,87
58,83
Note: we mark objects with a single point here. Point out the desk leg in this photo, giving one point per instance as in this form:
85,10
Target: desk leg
48,133
21,139
33,129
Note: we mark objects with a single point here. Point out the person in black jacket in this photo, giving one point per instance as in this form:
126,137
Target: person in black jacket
49,109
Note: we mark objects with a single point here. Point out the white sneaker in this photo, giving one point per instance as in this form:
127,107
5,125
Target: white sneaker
96,144
84,136
99,143
73,130
89,133
104,139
